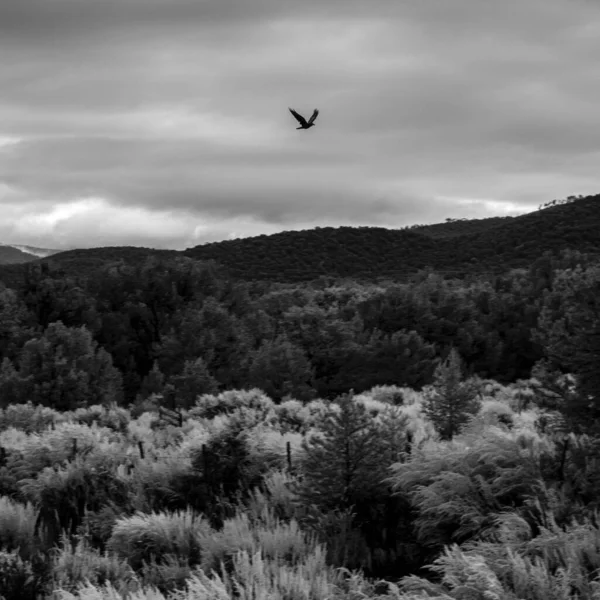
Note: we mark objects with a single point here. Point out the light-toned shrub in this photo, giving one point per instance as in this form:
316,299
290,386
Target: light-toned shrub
457,486
74,564
111,417
210,405
144,537
28,417
282,541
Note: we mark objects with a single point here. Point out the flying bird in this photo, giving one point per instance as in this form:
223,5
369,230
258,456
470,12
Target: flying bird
304,124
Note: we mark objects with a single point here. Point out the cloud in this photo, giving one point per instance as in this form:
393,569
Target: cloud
165,123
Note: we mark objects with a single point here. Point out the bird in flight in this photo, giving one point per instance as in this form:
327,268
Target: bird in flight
304,124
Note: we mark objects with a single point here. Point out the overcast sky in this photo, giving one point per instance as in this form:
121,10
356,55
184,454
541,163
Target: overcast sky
165,123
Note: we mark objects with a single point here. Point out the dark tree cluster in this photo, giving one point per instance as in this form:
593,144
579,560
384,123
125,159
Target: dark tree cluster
182,328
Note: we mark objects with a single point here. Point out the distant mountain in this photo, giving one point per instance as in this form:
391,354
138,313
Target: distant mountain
455,247
16,253
494,245
81,261
38,252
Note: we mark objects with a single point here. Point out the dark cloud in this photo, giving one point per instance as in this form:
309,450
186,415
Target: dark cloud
174,113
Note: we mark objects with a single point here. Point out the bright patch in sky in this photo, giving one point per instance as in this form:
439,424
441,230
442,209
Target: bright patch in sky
8,140
494,206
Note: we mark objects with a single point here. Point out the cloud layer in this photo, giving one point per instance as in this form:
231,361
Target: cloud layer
164,122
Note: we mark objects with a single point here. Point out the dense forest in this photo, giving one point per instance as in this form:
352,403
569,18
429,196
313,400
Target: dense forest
283,417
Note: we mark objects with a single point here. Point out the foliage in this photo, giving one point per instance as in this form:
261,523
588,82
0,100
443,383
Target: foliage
209,405
451,401
282,369
194,381
17,524
569,330
273,539
74,563
343,465
145,537
19,579
28,417
457,487
64,369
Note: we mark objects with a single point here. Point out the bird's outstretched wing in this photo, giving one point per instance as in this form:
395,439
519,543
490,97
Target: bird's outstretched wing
299,117
314,116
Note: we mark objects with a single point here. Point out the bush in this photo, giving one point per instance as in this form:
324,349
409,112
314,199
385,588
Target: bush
114,417
283,542
17,524
457,487
28,417
209,406
144,537
75,564
20,579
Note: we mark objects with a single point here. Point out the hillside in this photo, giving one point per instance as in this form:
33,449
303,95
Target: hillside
371,252
82,262
456,247
12,256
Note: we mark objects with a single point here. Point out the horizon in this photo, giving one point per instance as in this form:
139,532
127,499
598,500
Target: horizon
356,226
172,129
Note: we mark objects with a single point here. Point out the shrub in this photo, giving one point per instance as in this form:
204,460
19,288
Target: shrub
75,564
283,542
28,417
144,537
20,579
457,487
17,524
112,417
209,406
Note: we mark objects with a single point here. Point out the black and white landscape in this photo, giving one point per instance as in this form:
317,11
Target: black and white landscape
241,360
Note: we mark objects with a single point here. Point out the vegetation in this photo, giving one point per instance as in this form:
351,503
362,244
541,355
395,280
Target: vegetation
168,430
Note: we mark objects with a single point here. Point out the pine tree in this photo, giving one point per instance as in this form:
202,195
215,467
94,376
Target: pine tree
344,463
153,383
452,401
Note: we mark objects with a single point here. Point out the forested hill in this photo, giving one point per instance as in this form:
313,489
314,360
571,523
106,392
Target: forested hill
371,252
456,247
83,263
